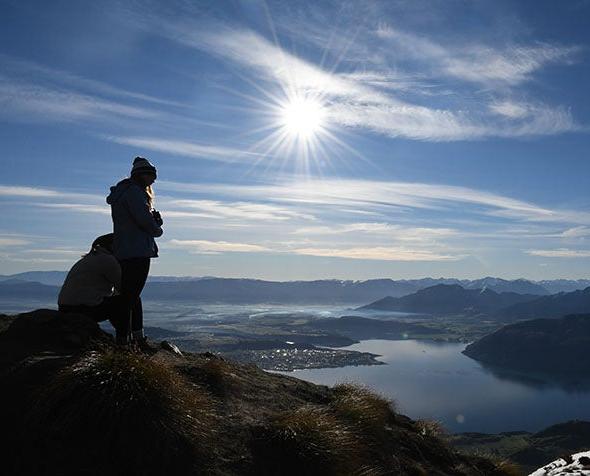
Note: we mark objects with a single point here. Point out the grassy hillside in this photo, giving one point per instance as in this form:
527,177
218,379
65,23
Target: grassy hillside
73,405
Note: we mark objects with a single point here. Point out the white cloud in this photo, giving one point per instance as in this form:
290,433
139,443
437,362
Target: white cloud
241,210
189,149
510,109
397,232
560,253
26,101
52,197
208,247
17,191
378,253
32,260
576,232
78,207
510,64
22,69
55,251
7,241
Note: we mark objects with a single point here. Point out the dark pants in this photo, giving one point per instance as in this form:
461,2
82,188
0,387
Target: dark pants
110,308
134,273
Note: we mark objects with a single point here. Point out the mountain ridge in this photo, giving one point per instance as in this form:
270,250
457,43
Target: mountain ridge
449,299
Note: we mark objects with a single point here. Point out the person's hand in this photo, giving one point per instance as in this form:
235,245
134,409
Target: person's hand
157,217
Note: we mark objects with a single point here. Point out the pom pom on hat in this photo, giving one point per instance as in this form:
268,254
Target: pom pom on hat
141,165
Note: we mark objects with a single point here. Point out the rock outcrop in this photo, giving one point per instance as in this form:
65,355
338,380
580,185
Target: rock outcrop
577,464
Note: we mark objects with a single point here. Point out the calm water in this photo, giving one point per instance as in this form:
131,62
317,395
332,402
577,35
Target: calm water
436,381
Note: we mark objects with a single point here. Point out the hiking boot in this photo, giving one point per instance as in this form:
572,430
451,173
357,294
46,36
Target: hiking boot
122,340
145,346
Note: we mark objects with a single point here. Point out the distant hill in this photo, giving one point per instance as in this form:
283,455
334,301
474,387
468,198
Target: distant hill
556,305
50,278
551,346
449,299
14,288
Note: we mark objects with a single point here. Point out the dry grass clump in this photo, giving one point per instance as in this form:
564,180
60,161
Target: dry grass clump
311,441
214,374
508,468
362,407
120,413
501,465
431,428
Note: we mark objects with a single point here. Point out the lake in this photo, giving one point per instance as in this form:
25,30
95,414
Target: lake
435,381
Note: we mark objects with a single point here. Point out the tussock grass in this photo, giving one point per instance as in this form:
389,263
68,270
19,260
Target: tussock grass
310,440
362,407
508,468
502,466
431,428
214,374
121,413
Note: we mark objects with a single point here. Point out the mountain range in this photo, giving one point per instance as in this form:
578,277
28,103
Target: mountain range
555,305
237,290
450,299
445,299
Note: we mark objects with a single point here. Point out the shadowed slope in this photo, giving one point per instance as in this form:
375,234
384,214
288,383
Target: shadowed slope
75,406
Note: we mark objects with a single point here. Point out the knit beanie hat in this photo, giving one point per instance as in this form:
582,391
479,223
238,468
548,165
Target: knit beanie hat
141,165
104,241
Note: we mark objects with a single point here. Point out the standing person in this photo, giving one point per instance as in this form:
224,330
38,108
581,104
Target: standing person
135,224
90,286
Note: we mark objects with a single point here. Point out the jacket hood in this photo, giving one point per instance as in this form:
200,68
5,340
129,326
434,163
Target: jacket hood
118,190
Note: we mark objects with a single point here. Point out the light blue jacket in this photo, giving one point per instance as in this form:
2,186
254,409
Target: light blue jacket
133,223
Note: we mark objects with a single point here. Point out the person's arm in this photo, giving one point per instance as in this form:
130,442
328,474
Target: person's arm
140,212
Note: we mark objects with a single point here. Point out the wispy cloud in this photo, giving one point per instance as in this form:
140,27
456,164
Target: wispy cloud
576,232
560,253
31,102
397,232
241,210
510,64
78,207
9,241
188,149
25,69
387,196
56,251
214,247
355,101
378,253
18,191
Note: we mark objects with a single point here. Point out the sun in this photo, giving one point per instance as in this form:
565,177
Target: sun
302,118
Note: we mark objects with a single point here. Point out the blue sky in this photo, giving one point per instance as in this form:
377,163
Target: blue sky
303,140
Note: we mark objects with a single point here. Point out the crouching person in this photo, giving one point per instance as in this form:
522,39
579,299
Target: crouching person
90,287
